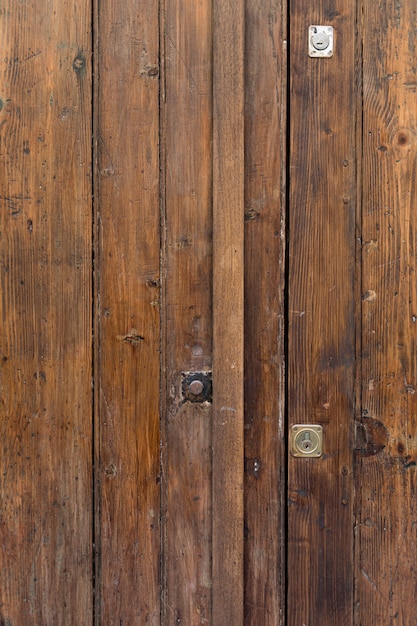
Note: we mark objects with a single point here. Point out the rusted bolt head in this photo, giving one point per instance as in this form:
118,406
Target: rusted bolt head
196,387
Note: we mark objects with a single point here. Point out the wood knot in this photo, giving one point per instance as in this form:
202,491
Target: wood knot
131,337
111,471
150,71
369,296
402,138
251,214
79,63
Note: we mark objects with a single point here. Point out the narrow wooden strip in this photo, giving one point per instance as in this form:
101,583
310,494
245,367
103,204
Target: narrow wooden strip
387,445
45,330
265,459
321,340
127,295
228,265
187,311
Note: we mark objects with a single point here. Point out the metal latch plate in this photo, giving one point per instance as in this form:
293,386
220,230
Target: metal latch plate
320,41
306,440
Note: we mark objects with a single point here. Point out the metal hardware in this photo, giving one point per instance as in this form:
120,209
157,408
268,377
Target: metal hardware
320,41
197,386
306,440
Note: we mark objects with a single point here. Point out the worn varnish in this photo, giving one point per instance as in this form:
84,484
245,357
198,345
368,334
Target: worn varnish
187,310
321,333
265,141
127,359
45,266
387,450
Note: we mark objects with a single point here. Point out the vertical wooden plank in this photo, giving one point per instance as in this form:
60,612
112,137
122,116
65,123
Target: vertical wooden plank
45,268
265,459
387,445
321,340
127,296
187,310
228,330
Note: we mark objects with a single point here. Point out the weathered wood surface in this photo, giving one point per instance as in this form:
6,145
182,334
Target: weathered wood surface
387,448
321,339
228,330
187,313
173,136
45,264
127,357
265,458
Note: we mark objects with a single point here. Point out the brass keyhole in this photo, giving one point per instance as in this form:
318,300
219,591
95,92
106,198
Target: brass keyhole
306,440
307,444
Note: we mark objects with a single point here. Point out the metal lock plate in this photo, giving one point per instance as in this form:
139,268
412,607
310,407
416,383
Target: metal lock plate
320,41
306,440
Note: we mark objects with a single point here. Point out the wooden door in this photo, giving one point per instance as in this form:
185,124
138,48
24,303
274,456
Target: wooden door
207,237
351,326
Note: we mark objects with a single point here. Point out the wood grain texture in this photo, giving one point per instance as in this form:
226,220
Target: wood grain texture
321,340
228,330
265,458
127,296
187,322
45,260
387,445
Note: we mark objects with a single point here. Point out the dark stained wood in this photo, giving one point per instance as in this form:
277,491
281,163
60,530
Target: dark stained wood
228,330
127,362
387,448
321,339
265,459
187,322
45,261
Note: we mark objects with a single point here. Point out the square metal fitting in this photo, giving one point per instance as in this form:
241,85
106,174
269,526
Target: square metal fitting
320,41
306,440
